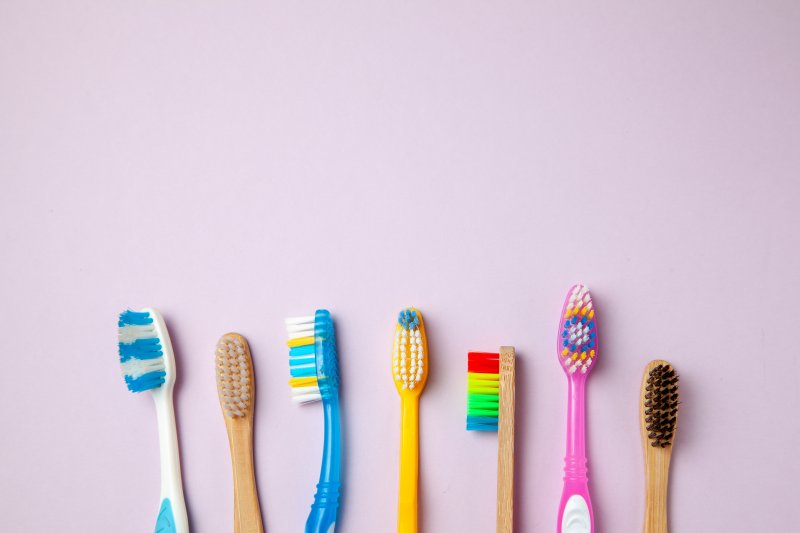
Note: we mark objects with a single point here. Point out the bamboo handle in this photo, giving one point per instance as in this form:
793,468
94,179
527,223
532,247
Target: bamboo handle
246,509
505,448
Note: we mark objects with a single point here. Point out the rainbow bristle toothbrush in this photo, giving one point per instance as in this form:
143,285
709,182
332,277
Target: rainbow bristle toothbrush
577,352
148,363
490,407
410,372
658,414
314,369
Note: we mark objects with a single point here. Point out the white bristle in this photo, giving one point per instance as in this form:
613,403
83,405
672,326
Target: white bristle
129,333
234,382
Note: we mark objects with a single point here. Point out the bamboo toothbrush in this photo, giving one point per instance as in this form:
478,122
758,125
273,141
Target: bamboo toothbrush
577,350
410,372
148,363
236,389
659,421
314,370
490,407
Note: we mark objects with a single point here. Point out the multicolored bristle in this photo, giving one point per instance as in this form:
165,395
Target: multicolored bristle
483,391
141,351
302,360
578,345
234,375
409,356
661,405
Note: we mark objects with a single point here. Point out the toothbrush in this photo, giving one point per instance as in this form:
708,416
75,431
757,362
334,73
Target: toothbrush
236,389
410,371
490,407
314,370
578,350
148,363
659,420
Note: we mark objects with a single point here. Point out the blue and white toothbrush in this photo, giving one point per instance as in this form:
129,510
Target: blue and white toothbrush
314,370
148,363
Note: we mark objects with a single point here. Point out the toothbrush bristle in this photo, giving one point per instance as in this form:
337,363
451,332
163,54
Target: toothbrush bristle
483,391
141,352
302,360
409,356
234,375
661,405
578,345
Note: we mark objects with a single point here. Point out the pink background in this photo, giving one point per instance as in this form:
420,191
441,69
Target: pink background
235,163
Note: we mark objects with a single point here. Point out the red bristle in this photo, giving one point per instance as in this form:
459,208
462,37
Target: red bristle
483,363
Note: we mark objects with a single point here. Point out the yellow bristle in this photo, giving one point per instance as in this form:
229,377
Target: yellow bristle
583,355
591,314
575,356
584,310
591,353
302,382
302,341
565,352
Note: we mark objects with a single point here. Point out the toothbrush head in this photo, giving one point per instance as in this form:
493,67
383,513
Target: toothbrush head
660,404
145,351
410,353
313,359
483,391
235,378
577,333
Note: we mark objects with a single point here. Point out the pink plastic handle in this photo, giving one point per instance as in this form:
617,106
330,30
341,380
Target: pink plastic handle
576,481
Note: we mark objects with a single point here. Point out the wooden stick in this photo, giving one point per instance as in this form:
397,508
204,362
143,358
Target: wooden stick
656,461
505,443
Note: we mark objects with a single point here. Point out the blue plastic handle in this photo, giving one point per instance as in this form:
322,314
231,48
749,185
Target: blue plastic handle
326,500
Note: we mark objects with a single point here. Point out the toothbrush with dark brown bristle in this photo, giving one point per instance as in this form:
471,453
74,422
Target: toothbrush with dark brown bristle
659,421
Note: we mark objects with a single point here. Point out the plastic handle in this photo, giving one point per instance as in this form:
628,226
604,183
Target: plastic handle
575,511
409,466
172,516
322,518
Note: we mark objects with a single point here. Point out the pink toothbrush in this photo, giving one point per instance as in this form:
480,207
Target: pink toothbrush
577,349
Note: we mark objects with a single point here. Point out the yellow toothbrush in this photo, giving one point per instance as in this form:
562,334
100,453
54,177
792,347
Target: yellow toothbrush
410,371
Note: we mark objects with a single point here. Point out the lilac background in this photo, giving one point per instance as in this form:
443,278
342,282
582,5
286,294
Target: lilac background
235,163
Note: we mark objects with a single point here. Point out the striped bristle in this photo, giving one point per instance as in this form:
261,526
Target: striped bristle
409,354
578,332
483,391
302,360
141,353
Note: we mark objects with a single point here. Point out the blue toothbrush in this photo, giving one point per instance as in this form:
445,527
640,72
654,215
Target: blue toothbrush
314,370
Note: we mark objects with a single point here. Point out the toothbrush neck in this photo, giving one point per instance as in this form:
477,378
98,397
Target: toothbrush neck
330,469
576,428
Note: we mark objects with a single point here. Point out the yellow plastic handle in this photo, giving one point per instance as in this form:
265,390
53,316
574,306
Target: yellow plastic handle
409,465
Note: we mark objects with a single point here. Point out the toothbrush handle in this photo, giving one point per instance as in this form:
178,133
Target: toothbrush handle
657,479
172,517
409,466
325,508
575,511
246,510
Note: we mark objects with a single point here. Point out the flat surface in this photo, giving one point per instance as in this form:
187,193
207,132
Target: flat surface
233,164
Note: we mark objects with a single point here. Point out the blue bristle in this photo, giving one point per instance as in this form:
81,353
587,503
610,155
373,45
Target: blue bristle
591,344
310,372
301,350
481,423
566,343
148,381
140,349
134,318
564,333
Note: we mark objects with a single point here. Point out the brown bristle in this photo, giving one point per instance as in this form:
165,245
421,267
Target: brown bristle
661,405
234,375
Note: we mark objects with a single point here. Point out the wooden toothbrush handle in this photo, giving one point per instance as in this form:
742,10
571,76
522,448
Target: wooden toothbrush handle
246,510
505,441
657,480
